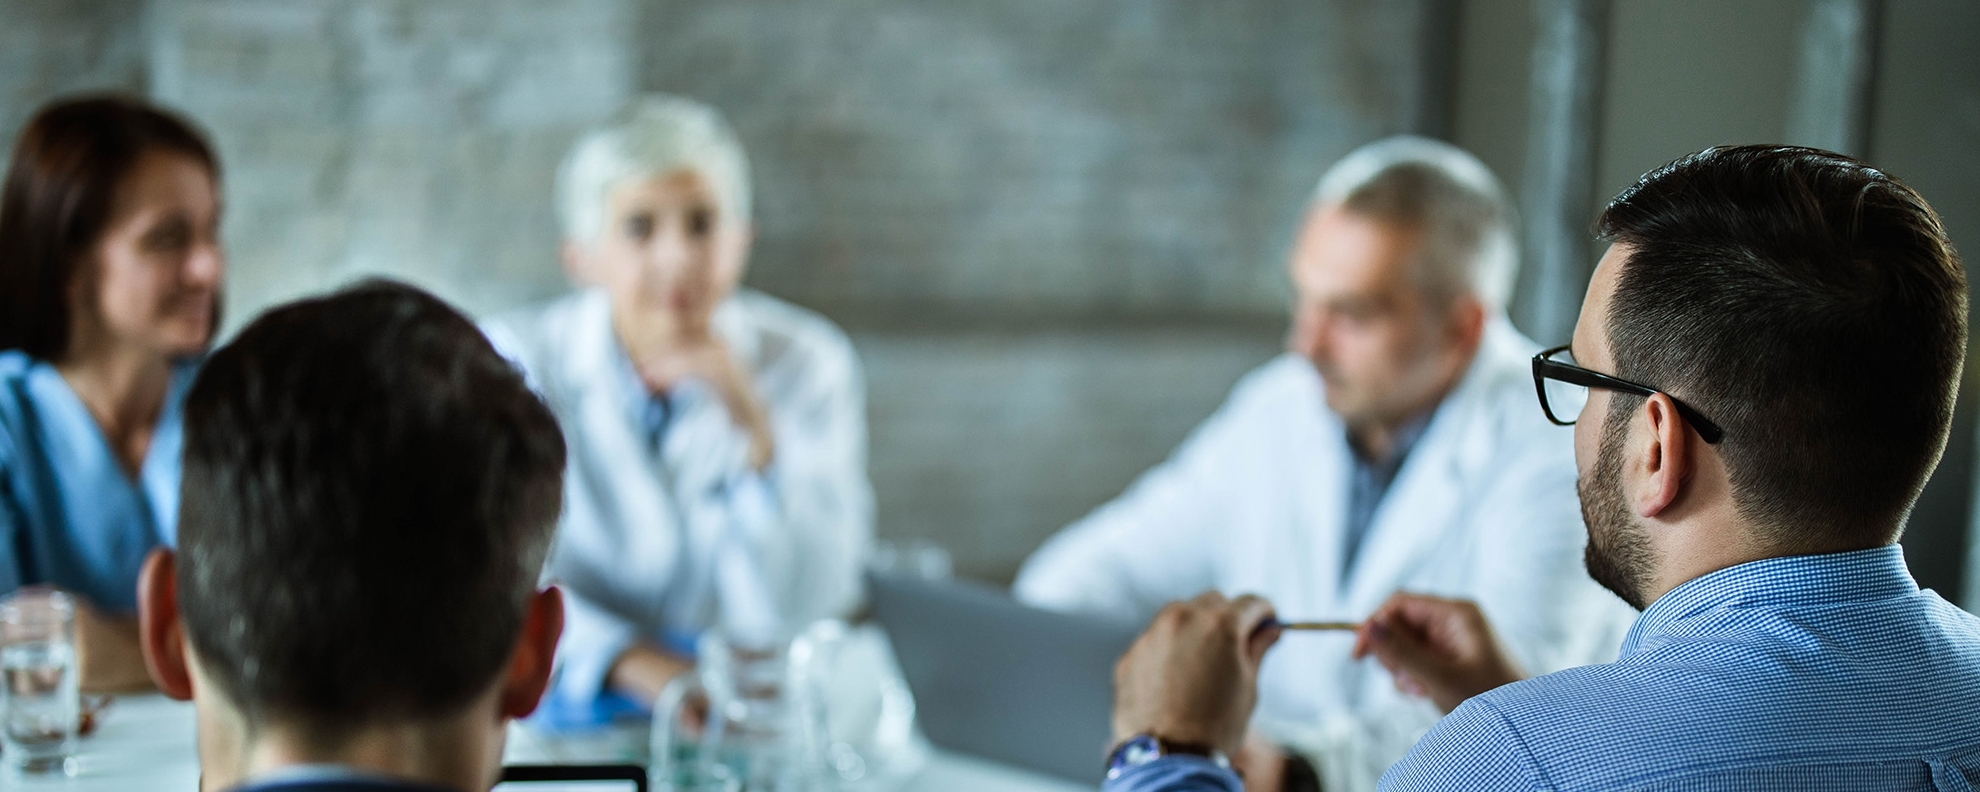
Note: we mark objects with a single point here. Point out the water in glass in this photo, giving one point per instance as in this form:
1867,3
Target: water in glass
39,700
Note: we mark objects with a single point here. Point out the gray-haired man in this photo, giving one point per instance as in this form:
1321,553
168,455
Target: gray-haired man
1394,447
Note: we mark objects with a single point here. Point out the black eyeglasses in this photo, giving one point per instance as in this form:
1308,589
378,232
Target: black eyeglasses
1563,388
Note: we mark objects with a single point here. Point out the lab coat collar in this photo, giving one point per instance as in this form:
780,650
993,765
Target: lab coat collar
1423,505
597,359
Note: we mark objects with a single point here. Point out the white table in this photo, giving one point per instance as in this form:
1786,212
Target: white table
146,743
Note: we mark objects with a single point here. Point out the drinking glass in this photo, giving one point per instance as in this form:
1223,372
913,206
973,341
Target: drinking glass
39,699
869,736
746,719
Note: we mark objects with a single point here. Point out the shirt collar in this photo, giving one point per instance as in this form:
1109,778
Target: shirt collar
1854,576
328,774
655,413
1404,440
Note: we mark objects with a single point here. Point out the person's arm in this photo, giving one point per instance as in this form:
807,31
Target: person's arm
11,524
1191,679
643,670
591,650
109,656
794,535
1160,539
816,549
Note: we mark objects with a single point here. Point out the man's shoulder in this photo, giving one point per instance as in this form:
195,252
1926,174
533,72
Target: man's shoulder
1287,382
1724,698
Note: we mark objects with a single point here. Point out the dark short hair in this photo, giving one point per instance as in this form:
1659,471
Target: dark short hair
66,168
368,497
1813,307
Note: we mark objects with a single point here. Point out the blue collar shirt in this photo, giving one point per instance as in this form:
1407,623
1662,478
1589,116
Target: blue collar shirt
1821,672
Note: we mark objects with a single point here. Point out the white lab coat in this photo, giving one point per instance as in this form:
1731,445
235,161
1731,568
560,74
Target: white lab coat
1255,501
669,541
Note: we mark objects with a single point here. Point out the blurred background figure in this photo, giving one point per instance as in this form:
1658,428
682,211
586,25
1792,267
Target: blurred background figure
717,473
1395,446
1055,234
1055,253
110,275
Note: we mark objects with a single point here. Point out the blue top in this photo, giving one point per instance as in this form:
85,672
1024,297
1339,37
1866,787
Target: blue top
1801,673
69,515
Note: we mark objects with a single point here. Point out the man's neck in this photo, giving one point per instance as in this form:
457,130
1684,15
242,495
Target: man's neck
461,752
1378,442
1710,538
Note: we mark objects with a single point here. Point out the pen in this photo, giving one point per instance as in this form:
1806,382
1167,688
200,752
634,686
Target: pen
1312,625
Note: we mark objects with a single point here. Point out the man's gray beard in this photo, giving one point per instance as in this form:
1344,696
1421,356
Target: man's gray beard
1618,554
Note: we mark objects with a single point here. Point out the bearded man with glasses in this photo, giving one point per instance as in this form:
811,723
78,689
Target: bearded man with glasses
1767,359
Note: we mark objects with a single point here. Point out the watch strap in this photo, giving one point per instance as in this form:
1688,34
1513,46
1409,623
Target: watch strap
1144,748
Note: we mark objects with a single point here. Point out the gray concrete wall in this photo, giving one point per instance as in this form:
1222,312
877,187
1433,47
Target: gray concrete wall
1038,156
403,138
1054,230
50,47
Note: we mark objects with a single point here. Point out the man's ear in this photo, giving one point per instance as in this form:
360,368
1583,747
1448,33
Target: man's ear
747,243
1468,317
1663,464
576,263
160,631
536,650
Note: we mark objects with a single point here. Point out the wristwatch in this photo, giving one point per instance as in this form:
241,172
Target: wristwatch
1144,748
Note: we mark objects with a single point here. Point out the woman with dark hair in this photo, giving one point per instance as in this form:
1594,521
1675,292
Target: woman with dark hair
110,272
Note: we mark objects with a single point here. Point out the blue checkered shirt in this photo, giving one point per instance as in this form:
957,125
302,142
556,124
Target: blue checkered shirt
1825,672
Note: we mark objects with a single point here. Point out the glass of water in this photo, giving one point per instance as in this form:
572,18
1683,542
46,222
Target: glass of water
40,701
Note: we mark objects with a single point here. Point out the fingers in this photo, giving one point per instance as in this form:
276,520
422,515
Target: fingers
1399,651
1245,622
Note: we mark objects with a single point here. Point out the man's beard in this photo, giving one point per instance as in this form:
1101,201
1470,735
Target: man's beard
1618,554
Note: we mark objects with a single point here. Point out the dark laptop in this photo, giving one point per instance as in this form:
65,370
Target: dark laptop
1001,680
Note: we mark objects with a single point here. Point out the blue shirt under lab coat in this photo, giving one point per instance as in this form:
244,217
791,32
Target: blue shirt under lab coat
70,516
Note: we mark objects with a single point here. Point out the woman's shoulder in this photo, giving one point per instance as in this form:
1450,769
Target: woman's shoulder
535,334
15,369
14,365
792,345
786,329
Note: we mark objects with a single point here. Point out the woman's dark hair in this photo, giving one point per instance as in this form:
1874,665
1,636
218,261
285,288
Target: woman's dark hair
66,168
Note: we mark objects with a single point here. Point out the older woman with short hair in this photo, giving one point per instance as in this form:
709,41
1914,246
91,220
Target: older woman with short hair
717,474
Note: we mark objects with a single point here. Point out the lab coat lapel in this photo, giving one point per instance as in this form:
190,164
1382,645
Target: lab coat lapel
1300,549
1425,503
1323,516
625,477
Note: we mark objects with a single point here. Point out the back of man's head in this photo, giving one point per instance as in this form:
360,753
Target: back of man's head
1813,307
369,494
